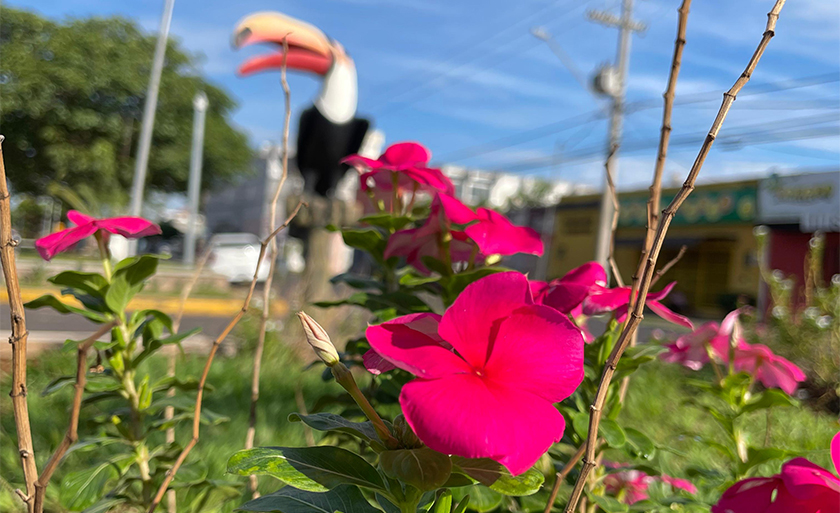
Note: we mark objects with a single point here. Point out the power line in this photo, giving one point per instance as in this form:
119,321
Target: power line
630,108
744,135
393,104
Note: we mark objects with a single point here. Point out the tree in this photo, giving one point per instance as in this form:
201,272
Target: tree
72,101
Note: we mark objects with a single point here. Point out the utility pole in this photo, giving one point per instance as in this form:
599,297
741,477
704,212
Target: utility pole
149,108
613,81
200,104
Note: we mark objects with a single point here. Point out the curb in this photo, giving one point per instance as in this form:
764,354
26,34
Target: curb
207,307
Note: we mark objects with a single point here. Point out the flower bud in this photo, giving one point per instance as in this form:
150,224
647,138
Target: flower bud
319,340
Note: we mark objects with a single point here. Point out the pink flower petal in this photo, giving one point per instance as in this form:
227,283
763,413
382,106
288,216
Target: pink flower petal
749,496
129,227
807,481
590,273
375,364
835,452
495,234
472,318
657,296
413,351
453,209
55,243
681,484
405,154
359,161
670,316
728,323
537,350
465,415
602,299
77,218
538,290
565,297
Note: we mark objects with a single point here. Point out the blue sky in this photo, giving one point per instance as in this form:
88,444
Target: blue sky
466,77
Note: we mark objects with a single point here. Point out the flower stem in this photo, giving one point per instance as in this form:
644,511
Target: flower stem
104,254
345,378
395,180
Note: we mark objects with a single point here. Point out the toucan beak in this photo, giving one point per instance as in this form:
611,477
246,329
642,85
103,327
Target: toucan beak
309,48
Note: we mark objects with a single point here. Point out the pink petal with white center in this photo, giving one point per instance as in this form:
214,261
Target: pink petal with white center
55,243
476,313
413,351
538,350
468,416
129,227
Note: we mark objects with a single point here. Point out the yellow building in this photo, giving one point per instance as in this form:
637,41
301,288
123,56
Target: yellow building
715,224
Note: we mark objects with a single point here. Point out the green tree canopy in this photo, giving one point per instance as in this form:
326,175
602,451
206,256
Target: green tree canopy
71,103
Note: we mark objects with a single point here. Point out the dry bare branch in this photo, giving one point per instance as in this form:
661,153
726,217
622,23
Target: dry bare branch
667,267
661,230
72,435
170,474
272,255
17,339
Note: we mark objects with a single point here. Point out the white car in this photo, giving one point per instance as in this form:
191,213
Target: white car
234,255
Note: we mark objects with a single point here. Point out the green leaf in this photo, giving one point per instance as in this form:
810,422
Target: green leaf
422,468
83,488
56,304
758,456
357,282
493,475
443,504
639,444
608,504
461,507
370,241
346,499
128,279
154,345
612,433
315,469
333,422
107,504
91,283
770,398
386,221
481,499
157,315
580,423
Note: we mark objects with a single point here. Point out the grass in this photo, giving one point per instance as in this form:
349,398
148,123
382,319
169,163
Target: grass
655,405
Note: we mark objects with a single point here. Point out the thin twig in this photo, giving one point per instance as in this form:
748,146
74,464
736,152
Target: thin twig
170,474
272,255
667,267
169,411
661,230
18,339
561,475
72,435
655,195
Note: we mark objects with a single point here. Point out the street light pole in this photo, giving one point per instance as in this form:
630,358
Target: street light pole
149,108
626,26
200,104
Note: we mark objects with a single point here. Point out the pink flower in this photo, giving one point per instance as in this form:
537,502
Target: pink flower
408,160
496,235
631,485
416,243
691,351
772,370
130,227
679,484
567,293
801,487
492,397
602,300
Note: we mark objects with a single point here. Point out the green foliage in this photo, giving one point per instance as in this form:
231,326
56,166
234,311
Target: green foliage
347,499
73,95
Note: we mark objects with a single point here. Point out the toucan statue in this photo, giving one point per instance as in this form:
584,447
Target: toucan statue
329,130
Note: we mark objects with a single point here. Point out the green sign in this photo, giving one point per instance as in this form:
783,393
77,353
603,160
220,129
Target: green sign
716,206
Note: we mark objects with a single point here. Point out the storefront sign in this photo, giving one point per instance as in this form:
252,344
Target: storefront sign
703,206
810,200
